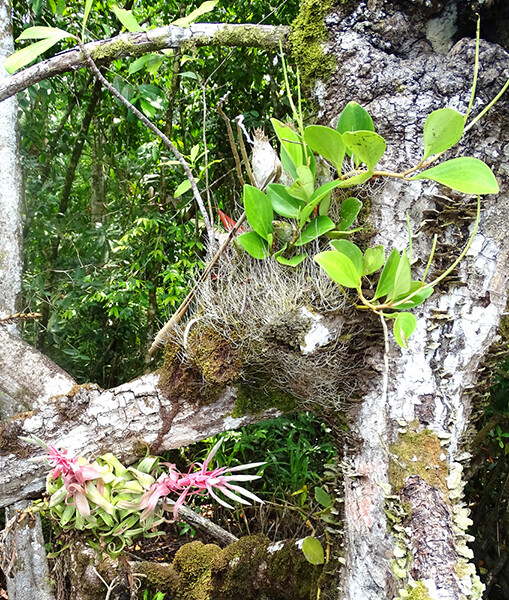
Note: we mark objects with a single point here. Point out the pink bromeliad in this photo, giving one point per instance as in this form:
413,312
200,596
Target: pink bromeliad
202,481
74,476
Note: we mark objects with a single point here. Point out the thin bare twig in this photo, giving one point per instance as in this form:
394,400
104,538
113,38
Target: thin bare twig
160,135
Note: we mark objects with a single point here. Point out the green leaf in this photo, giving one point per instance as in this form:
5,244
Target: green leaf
404,326
43,33
205,7
254,245
68,514
367,146
352,251
403,278
348,213
327,142
291,262
443,129
373,260
465,174
194,152
127,19
23,57
139,63
302,188
182,188
386,282
314,230
291,142
316,198
361,177
156,60
313,551
86,13
354,118
259,211
339,268
322,497
414,301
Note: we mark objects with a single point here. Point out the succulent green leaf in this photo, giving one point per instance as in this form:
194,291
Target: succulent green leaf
313,551
314,230
86,13
354,118
291,142
205,7
291,262
259,211
367,146
327,142
282,203
373,260
68,514
414,301
127,19
386,282
322,497
348,213
339,268
352,251
465,174
443,129
254,245
361,177
403,278
404,325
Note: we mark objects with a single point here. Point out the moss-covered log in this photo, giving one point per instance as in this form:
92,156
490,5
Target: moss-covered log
250,569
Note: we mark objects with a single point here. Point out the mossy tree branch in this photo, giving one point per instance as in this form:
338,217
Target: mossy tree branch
137,44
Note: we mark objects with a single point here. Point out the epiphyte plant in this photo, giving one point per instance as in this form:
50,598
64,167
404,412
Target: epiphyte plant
113,504
353,150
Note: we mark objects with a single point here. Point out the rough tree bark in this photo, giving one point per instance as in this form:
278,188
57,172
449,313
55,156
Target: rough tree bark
404,517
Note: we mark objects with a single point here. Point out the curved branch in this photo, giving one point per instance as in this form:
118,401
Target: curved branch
137,44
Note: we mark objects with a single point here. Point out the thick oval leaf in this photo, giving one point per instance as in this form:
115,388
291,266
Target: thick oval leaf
127,19
313,551
361,177
351,250
349,211
367,146
291,262
403,279
284,204
259,211
414,301
327,142
254,245
23,57
316,197
322,497
314,230
292,143
339,268
465,174
443,129
373,260
354,118
388,275
306,181
404,326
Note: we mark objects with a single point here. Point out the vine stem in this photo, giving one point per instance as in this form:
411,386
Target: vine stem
95,70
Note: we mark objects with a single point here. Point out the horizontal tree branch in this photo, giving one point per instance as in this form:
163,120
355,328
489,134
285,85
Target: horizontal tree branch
125,420
137,44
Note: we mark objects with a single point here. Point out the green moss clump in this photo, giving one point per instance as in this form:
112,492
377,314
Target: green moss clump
419,592
418,454
214,356
254,399
306,37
